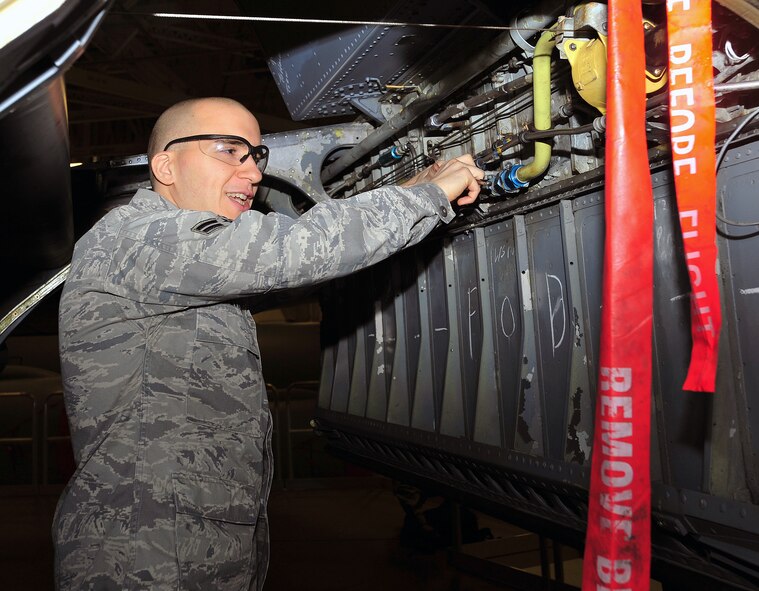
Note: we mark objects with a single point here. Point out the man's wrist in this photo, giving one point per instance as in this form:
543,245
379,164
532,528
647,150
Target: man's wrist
437,198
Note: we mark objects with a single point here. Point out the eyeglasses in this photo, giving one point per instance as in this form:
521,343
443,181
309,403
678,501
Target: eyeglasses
231,149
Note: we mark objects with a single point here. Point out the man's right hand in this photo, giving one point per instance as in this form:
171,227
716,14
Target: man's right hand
458,178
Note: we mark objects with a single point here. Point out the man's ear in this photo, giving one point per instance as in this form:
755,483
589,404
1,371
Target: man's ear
162,166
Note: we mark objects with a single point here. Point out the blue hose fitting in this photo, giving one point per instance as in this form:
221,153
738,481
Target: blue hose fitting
506,181
514,180
392,156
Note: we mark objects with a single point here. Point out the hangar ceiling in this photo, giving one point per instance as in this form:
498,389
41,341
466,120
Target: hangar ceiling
137,65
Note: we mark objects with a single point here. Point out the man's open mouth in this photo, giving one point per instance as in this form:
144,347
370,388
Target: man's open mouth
241,198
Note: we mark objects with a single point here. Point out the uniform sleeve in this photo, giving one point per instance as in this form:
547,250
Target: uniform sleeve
191,258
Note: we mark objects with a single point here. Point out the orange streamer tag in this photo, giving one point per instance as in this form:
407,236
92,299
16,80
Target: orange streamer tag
618,539
692,125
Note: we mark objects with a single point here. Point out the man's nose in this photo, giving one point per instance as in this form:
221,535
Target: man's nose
249,170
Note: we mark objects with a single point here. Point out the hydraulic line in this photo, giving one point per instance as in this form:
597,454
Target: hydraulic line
549,133
500,47
720,158
388,158
541,84
439,120
407,168
506,141
506,110
458,136
400,172
599,125
737,86
490,120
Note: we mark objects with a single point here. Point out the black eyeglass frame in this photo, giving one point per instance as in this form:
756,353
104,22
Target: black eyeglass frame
259,153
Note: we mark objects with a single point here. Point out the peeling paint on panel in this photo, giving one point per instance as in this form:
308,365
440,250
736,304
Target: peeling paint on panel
584,437
378,326
526,292
529,413
578,334
523,429
577,449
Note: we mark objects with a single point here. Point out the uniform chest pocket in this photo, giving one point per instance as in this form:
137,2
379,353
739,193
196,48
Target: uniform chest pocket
225,385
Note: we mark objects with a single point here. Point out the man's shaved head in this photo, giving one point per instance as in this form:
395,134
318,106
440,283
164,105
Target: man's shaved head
191,178
179,120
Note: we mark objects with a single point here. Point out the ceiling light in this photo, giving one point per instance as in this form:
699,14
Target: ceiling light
320,21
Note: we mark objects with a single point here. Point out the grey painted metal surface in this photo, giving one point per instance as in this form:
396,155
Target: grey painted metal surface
335,73
518,301
297,157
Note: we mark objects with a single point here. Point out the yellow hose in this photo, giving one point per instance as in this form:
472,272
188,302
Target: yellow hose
541,91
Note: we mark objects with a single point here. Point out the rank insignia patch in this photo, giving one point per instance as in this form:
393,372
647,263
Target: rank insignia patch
211,225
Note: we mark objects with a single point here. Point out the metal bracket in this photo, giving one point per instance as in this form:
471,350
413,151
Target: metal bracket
369,105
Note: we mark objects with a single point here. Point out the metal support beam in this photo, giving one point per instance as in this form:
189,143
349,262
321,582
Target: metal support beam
123,88
746,9
203,40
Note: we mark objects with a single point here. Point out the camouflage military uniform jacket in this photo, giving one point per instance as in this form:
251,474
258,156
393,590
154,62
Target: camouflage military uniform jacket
163,387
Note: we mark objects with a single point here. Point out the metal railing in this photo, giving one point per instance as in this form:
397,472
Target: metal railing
48,439
281,400
42,437
9,399
39,437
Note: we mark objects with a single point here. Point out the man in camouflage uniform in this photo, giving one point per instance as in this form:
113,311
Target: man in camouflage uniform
162,377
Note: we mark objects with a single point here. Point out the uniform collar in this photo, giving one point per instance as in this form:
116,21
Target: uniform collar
147,200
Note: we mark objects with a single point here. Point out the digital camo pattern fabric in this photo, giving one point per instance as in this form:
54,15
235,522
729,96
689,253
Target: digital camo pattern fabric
163,387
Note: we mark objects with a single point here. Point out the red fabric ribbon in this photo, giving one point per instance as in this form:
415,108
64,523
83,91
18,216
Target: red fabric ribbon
692,125
618,540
